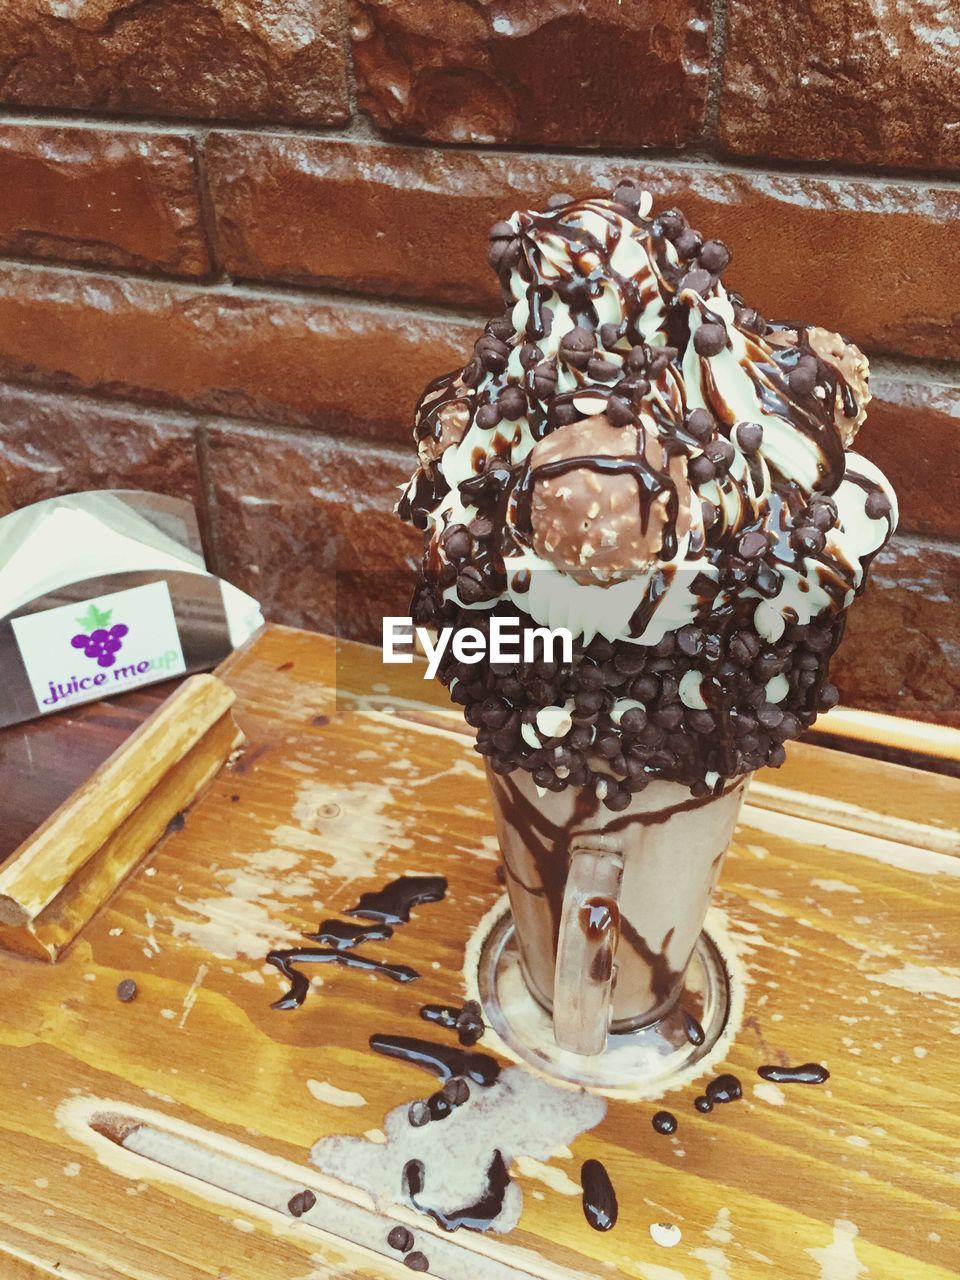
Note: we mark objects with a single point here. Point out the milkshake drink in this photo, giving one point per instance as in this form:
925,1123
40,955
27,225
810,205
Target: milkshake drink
634,454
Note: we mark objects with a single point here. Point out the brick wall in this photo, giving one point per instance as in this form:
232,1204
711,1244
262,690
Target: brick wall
238,236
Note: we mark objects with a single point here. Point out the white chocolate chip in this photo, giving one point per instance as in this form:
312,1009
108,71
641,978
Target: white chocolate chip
691,694
777,689
529,735
554,722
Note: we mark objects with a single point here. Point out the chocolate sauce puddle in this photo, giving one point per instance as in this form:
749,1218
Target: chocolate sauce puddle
475,1217
664,1122
342,935
445,1061
300,984
599,1198
809,1073
725,1088
692,1028
392,904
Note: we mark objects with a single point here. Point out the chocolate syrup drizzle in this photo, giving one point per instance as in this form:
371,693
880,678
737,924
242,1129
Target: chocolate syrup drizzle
444,1060
809,1073
300,984
599,1198
724,1088
475,1217
393,903
342,935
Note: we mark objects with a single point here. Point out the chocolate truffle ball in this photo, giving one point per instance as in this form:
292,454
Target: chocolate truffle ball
601,526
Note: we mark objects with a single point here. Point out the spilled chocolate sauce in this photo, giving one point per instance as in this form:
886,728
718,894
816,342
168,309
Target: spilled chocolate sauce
342,934
664,1122
692,1028
475,1217
809,1073
467,1022
725,1088
393,903
703,1103
445,1061
599,1198
300,984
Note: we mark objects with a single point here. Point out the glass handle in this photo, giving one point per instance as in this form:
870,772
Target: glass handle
586,951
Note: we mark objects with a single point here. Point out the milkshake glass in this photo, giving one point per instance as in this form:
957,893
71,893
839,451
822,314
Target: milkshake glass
607,907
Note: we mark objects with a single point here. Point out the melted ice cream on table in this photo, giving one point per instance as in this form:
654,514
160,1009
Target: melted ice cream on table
633,453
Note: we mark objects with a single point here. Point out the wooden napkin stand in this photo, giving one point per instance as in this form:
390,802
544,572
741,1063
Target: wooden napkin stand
74,862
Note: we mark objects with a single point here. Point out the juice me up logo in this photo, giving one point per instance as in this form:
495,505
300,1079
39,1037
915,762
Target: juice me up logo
125,639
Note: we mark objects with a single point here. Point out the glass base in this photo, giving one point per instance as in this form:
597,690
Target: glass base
642,1061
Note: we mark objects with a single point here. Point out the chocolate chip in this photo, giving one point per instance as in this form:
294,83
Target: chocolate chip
637,358
418,1113
720,452
701,721
690,641
481,527
470,585
715,256
803,378
697,280
630,195
610,335
472,372
602,370
512,403
752,544
559,199
633,720
301,1203
564,413
126,990
401,1239
545,379
688,243
829,697
530,355
456,542
576,346
769,715
701,470
504,246
492,352
877,505
750,319
619,413
671,223
616,799
700,424
438,1106
416,1261
749,436
808,539
669,717
456,1091
710,339
823,513
488,415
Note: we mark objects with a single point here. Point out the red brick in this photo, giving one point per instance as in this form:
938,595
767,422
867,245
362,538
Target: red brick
349,368
107,197
859,82
236,59
584,73
913,433
864,256
51,445
899,653
307,526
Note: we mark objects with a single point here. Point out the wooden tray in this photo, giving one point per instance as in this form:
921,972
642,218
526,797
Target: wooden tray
840,896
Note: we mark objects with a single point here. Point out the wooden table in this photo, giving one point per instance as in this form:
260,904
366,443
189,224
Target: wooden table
840,897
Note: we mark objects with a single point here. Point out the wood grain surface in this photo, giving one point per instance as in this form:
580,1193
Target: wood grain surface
844,916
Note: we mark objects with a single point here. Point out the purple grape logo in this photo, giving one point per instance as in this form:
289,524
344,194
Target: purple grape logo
98,639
